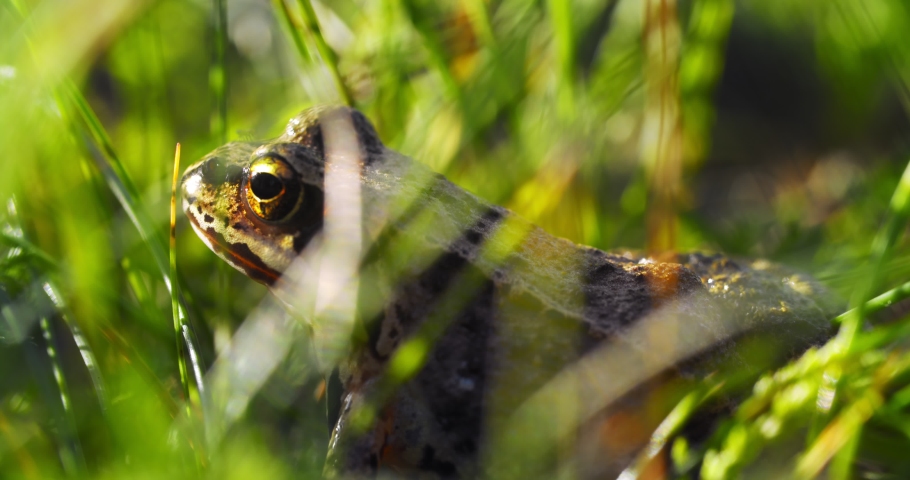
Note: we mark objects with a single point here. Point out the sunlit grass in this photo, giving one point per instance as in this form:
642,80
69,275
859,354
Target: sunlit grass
538,106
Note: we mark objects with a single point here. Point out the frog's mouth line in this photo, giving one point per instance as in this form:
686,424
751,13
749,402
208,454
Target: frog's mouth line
238,255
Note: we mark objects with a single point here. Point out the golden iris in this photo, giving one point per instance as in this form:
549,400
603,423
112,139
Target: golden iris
273,191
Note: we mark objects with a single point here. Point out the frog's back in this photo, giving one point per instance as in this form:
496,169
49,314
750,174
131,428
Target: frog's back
766,297
654,330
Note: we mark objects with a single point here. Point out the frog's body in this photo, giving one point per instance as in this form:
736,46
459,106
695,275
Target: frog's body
508,311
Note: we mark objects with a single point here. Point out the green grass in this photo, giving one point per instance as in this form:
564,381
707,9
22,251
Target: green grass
771,129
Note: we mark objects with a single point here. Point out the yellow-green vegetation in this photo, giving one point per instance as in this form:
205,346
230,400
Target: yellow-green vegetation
774,129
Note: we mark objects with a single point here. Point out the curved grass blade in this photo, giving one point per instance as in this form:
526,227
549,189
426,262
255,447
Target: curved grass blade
108,163
71,455
28,253
38,302
866,31
893,228
833,445
879,303
85,349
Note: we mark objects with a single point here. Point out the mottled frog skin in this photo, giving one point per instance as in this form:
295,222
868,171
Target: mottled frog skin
512,319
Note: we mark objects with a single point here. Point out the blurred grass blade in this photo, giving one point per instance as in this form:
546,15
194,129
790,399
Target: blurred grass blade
878,303
480,18
564,39
287,19
118,181
668,431
38,299
839,433
843,463
700,67
435,50
866,30
661,136
85,348
28,250
218,73
896,220
311,23
71,455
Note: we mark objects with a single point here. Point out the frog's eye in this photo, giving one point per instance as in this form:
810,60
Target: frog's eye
272,189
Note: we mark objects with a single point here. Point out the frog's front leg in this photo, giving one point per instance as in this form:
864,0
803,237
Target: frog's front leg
353,449
399,437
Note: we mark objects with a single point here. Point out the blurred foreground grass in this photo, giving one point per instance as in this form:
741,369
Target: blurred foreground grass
774,129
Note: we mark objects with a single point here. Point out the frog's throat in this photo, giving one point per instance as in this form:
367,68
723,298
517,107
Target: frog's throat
238,255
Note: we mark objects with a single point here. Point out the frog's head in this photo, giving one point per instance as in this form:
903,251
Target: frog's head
257,205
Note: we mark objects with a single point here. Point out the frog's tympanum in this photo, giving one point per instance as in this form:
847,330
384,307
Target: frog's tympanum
482,346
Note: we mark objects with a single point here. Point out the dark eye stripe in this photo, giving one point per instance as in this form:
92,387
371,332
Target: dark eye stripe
237,254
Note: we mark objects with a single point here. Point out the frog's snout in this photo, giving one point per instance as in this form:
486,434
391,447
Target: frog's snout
191,184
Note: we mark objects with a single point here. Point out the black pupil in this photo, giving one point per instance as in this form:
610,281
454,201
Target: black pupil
265,185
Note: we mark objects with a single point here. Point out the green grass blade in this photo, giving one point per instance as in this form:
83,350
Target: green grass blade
179,318
887,236
878,303
700,67
480,18
435,51
287,20
44,300
118,182
866,31
71,456
564,39
218,73
311,23
89,359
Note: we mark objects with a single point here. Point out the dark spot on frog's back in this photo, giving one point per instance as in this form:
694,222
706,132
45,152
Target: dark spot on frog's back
613,299
707,264
484,226
616,294
208,218
310,136
308,132
429,463
473,237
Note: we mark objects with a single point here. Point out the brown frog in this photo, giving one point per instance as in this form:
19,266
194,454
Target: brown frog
469,342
